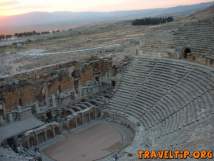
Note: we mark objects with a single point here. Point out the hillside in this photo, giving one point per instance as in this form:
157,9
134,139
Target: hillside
66,20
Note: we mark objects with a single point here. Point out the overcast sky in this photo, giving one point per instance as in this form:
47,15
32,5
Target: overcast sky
13,7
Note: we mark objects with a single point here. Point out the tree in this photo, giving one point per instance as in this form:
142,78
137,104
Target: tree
152,21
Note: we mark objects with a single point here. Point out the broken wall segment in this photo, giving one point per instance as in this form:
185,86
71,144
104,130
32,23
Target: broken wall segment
24,89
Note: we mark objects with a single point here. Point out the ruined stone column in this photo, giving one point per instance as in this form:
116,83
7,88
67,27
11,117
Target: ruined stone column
2,113
10,117
54,100
46,136
37,107
53,130
37,139
76,122
47,100
89,116
95,113
28,141
45,94
1,120
83,119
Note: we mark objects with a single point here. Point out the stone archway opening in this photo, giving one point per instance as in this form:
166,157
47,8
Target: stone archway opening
113,83
186,51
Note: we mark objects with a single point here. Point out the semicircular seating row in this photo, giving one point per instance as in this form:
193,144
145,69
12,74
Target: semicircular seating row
167,97
198,35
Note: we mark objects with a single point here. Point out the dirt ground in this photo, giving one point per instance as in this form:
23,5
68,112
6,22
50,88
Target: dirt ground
92,143
42,50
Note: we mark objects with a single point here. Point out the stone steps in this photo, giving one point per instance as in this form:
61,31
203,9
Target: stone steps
173,96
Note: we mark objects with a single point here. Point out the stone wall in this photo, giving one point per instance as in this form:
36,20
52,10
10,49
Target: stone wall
181,53
37,85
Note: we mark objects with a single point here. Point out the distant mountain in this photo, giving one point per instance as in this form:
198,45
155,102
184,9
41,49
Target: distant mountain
63,20
206,13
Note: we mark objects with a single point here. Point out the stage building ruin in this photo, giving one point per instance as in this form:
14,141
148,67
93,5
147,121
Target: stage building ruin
44,101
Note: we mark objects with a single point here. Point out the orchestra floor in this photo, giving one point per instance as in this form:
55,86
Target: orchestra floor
94,142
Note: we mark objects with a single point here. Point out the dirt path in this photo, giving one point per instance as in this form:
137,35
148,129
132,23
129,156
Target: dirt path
88,145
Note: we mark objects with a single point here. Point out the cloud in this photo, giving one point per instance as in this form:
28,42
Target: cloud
6,3
11,7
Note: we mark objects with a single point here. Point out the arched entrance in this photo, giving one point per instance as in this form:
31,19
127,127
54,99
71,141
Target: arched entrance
186,51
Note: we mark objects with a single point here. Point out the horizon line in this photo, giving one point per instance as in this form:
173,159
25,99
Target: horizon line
106,11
